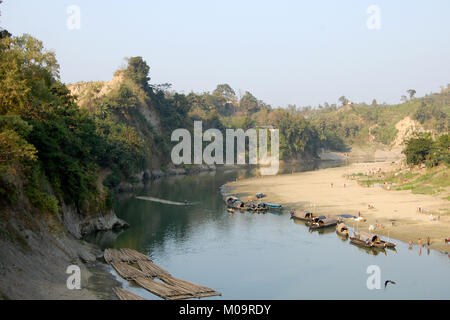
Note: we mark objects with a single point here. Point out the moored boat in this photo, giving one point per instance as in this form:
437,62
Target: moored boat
230,200
304,216
342,230
388,244
367,240
377,241
272,206
322,222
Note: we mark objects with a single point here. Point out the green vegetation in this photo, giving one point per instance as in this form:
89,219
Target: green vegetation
433,181
359,123
431,175
47,141
423,148
299,137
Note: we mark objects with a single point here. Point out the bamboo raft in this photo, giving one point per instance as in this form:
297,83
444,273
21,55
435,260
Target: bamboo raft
135,266
152,270
127,271
175,289
197,290
124,255
163,290
126,295
175,203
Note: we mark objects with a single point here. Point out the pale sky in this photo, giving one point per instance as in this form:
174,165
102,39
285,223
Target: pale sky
284,52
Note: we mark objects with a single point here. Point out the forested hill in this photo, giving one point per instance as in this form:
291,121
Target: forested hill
303,130
381,124
153,111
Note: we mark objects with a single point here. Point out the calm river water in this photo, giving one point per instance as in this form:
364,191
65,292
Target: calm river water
262,256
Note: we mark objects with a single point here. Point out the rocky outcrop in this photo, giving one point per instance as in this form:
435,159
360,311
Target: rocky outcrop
79,226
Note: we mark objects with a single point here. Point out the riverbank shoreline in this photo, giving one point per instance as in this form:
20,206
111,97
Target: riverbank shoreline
330,192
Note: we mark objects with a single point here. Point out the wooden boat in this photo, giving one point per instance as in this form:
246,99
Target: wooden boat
261,208
385,244
366,240
272,206
304,216
321,222
377,242
230,200
342,230
240,205
360,242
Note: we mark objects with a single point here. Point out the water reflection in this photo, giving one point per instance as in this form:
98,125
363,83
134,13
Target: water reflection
105,239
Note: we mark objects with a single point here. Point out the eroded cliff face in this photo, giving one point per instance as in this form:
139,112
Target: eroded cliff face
79,225
89,93
37,247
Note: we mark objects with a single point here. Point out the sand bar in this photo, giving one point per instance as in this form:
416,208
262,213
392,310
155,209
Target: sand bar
313,190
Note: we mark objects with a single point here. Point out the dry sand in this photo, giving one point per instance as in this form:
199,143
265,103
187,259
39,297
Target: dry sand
312,190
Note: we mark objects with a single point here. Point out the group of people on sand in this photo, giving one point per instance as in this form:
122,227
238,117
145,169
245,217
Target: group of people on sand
420,242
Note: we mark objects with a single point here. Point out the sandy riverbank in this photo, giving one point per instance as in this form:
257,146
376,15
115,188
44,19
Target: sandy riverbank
313,190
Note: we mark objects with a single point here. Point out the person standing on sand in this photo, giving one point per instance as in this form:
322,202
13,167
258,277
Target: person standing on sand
410,244
420,242
428,241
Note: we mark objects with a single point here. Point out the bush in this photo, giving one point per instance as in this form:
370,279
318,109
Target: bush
422,148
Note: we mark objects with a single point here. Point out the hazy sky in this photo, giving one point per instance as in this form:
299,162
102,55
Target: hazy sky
284,52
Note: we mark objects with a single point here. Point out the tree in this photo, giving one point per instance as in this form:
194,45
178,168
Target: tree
4,34
343,100
404,98
374,102
418,148
292,108
138,70
27,72
225,91
411,93
14,149
249,103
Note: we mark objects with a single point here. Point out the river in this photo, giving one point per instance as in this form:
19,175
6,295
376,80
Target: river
262,256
